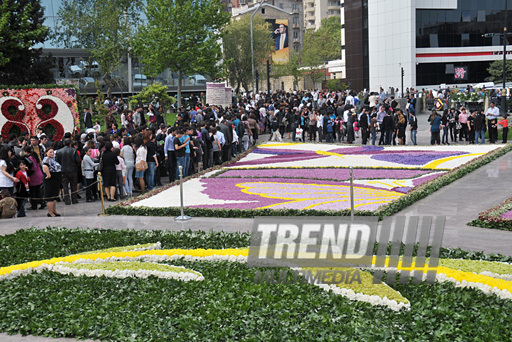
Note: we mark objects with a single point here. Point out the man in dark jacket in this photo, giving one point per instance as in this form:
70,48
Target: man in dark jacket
227,130
363,125
68,158
388,126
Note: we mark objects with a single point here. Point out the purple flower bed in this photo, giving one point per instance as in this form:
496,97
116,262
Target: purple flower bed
507,215
414,158
275,152
283,193
298,156
325,173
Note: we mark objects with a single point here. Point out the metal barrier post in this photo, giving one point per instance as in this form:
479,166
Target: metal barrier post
182,217
351,194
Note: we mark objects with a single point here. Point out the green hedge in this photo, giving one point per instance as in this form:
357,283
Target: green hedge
491,218
416,194
227,305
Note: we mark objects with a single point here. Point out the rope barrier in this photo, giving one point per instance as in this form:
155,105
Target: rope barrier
52,198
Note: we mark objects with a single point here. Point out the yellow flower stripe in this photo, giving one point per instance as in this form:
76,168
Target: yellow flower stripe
199,253
437,162
470,277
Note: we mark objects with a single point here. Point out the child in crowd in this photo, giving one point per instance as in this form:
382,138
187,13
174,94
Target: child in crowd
22,188
8,205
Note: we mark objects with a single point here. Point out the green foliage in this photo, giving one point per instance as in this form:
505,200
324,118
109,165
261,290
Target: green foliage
336,85
21,27
183,36
496,71
227,305
459,96
237,49
291,68
323,44
152,92
492,218
102,27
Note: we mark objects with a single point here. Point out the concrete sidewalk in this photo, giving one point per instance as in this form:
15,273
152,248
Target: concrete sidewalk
460,202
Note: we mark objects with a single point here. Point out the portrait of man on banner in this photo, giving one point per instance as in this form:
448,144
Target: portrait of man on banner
281,39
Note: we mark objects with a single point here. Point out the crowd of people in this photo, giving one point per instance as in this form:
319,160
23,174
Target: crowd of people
135,150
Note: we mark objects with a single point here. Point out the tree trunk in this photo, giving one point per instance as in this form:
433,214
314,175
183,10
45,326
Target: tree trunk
179,89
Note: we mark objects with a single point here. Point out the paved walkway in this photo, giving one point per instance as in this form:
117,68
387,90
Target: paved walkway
460,202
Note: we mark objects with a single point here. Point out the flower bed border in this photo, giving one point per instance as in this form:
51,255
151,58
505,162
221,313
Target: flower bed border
491,218
417,193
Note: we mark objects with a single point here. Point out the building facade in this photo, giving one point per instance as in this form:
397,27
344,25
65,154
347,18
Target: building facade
436,42
316,10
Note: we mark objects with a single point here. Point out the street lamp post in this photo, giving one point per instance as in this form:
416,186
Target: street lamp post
252,40
504,91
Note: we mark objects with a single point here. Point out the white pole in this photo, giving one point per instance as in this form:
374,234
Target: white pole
351,194
182,217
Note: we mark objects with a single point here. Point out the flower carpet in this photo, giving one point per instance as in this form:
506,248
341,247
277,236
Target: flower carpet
195,286
498,217
301,177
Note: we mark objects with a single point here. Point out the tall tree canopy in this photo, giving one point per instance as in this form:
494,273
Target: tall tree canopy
237,49
21,27
104,28
496,71
323,44
182,35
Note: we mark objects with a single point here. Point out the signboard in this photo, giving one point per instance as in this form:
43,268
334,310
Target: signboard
280,34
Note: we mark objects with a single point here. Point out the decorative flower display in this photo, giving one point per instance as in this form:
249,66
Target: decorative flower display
31,108
489,277
498,217
316,177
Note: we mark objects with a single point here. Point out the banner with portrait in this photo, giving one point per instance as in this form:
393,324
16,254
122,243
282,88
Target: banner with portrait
280,34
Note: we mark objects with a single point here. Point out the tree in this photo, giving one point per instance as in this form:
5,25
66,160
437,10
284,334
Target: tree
181,35
336,85
496,71
291,68
101,27
153,92
237,49
21,27
321,46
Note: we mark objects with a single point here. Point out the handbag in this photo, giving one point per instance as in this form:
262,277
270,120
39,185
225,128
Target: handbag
141,166
100,166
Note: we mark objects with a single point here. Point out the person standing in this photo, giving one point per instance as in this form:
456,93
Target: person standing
363,125
140,161
129,160
22,188
504,123
180,145
88,165
87,120
387,128
492,114
413,121
52,170
445,122
151,159
36,179
69,160
373,127
170,154
480,127
463,120
108,172
435,128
